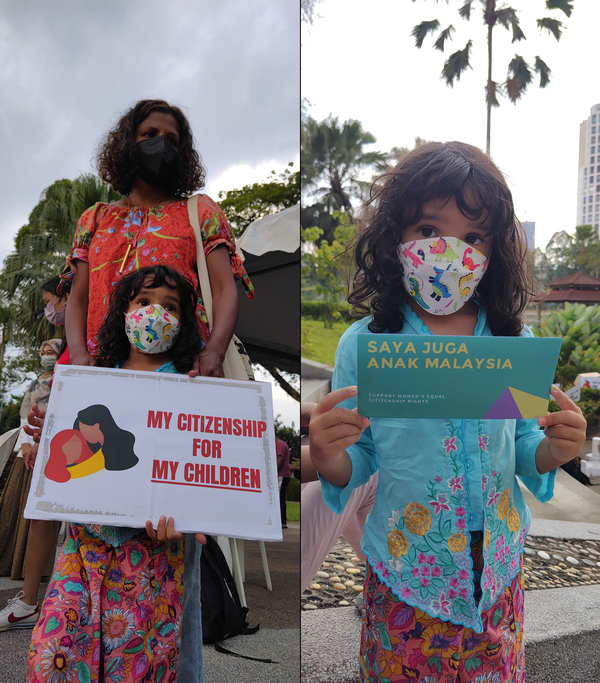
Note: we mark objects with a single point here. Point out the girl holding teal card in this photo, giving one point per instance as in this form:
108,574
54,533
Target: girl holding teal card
441,254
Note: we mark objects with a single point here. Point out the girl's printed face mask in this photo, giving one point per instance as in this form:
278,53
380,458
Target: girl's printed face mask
441,273
151,329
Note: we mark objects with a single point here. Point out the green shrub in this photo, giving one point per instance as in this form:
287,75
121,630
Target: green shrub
579,327
323,310
293,490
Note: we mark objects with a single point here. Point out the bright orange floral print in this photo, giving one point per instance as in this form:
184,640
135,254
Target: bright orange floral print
457,542
513,521
417,518
397,543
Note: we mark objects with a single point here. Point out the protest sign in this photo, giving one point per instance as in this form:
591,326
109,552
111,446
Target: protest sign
455,377
120,447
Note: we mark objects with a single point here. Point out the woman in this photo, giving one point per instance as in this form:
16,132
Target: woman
19,537
56,305
150,158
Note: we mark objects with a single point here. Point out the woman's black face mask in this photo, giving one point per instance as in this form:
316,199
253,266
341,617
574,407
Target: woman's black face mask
157,160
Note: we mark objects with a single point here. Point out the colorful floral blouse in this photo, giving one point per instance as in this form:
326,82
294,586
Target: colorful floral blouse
440,480
157,235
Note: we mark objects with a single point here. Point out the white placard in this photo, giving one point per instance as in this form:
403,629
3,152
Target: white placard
574,393
200,450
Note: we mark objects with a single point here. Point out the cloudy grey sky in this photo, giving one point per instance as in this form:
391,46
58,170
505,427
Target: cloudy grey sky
68,68
362,63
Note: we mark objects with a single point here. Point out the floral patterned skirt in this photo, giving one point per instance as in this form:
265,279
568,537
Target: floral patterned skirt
110,613
401,643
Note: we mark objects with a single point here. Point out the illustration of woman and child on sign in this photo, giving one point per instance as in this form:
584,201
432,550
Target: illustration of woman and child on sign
95,443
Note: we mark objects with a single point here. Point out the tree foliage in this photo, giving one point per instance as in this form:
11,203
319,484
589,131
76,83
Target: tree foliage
41,248
333,157
519,73
252,202
326,262
567,254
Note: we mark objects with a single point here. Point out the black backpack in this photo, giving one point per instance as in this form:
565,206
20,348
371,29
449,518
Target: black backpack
222,613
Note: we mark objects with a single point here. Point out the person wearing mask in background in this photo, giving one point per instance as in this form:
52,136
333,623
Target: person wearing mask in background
23,539
56,309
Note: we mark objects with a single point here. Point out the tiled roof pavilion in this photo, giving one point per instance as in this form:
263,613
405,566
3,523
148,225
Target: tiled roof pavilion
578,288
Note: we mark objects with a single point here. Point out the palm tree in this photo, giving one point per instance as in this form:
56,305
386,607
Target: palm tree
41,248
519,74
332,158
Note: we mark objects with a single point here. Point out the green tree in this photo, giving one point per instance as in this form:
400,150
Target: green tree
328,261
555,263
10,416
519,74
41,248
583,253
243,206
331,160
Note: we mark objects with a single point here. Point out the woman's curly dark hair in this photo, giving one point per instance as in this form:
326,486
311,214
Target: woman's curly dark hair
113,345
116,158
438,170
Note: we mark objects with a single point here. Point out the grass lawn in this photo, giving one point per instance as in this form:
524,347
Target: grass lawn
318,343
292,509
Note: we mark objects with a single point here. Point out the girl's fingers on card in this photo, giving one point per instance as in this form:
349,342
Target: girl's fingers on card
172,535
150,530
335,417
332,399
201,538
570,418
341,431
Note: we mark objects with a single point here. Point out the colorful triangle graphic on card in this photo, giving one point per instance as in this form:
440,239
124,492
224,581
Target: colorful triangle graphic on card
504,407
515,405
529,405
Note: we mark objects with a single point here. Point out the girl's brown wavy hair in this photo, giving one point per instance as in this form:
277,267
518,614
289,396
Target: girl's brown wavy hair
116,157
433,171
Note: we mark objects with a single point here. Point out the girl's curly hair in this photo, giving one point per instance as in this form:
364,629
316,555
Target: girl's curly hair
438,170
113,345
116,157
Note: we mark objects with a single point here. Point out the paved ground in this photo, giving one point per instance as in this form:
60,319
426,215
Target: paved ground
277,612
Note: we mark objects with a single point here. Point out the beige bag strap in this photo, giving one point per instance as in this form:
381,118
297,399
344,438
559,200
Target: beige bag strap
192,205
235,366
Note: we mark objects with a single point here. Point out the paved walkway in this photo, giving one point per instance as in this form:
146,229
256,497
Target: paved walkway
276,611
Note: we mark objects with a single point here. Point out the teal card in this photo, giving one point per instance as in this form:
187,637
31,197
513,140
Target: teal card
403,375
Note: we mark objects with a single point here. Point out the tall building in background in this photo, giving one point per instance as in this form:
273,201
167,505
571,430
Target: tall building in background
588,186
529,227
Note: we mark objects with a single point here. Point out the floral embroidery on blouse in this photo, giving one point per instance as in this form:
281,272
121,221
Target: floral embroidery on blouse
435,565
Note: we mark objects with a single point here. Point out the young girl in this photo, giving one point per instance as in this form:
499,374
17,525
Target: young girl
443,597
113,609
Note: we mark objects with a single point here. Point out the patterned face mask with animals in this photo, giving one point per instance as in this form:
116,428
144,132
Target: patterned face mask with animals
441,273
151,329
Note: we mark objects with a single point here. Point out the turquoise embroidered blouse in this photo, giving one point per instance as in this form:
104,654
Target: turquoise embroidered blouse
439,480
